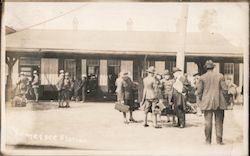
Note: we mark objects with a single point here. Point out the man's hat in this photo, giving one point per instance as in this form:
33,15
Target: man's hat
66,74
151,69
125,74
84,75
209,64
34,72
61,71
176,69
166,72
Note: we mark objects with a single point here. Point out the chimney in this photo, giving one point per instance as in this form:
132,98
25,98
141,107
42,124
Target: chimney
75,24
129,24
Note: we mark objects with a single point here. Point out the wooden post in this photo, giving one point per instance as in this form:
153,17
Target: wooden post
180,57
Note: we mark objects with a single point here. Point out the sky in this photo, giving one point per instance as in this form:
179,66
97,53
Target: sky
231,19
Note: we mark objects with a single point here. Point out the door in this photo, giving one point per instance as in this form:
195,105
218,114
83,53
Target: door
113,72
93,67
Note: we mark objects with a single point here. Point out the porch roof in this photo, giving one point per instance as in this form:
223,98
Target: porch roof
120,42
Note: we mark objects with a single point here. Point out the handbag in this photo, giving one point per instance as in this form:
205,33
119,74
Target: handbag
161,106
122,108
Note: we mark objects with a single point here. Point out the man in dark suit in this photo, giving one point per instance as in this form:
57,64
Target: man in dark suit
180,88
210,89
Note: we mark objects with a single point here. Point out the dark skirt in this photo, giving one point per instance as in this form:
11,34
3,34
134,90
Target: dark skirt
130,103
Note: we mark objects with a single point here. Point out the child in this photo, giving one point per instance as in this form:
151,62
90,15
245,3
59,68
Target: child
231,91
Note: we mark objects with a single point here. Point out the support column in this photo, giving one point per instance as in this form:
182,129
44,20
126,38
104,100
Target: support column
128,67
241,75
84,66
180,56
103,79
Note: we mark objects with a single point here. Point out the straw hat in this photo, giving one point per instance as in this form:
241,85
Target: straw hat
176,69
151,69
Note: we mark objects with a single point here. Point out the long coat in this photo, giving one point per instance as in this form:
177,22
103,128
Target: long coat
179,97
128,87
210,90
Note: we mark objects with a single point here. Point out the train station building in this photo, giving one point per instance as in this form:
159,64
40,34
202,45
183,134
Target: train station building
104,54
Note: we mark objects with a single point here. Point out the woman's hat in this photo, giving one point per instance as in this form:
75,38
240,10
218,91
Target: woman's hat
166,72
176,69
151,69
34,72
61,71
209,64
66,74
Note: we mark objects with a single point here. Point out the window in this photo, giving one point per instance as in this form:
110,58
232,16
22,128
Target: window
70,67
28,65
150,63
114,65
49,71
169,65
229,70
93,67
93,62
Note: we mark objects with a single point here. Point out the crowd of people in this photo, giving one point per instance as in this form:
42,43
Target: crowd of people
213,94
65,86
161,92
169,93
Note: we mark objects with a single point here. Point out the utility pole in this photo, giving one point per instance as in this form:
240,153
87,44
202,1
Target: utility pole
182,30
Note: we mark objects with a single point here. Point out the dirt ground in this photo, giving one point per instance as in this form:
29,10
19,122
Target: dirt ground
97,128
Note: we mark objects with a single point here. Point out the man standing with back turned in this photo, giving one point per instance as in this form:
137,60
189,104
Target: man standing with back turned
210,90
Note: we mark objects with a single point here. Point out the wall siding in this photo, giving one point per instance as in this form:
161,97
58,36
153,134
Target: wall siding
128,67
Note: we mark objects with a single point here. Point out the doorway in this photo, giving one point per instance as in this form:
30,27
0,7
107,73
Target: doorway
93,67
113,72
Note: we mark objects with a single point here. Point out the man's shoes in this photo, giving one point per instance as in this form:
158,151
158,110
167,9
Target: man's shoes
126,122
145,125
157,126
132,120
176,125
220,143
208,143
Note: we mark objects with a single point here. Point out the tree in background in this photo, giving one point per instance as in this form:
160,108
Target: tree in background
207,21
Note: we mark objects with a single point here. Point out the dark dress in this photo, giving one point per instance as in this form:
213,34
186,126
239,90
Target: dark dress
128,87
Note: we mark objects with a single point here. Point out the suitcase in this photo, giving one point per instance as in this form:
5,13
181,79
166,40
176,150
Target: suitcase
121,107
19,101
